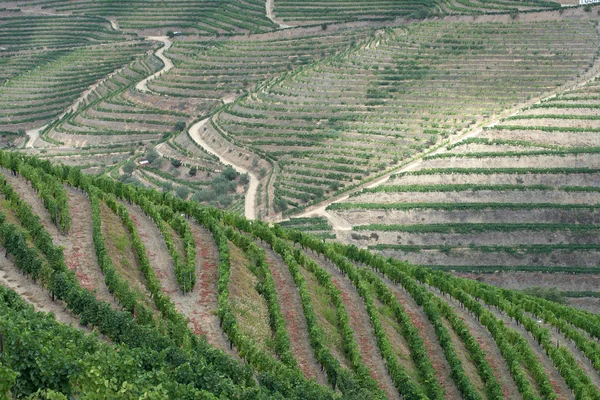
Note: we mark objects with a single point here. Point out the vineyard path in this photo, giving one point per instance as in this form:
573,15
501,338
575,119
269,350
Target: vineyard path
168,64
249,203
269,7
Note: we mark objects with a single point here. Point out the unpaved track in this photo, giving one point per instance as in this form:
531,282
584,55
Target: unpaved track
291,308
34,134
204,319
361,326
168,64
269,8
78,245
250,201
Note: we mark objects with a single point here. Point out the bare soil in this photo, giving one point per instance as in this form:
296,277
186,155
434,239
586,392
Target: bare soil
34,294
488,344
427,332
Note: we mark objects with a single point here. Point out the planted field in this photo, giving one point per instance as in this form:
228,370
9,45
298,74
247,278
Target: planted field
222,69
139,118
511,206
33,97
178,276
199,17
301,12
360,113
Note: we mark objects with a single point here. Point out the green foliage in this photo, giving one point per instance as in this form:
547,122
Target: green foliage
550,294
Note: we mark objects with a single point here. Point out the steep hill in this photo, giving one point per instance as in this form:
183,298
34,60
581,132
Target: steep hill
170,279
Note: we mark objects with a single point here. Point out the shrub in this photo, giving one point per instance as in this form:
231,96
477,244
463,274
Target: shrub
204,195
550,294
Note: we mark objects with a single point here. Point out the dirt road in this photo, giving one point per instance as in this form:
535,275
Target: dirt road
168,64
250,201
269,6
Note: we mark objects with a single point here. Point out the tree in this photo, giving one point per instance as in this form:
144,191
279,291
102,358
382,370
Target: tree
152,155
171,34
183,192
129,167
180,126
262,172
229,173
176,163
244,179
193,171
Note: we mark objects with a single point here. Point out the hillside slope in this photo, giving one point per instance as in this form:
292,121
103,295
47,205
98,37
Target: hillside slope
376,327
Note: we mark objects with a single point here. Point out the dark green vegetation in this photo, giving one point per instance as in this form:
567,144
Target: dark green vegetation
149,349
132,119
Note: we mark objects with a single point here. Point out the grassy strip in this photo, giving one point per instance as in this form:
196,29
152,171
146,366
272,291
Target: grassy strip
449,188
494,171
516,249
564,152
460,206
465,228
492,269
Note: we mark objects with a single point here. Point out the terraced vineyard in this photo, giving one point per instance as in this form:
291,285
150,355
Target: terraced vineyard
515,206
300,12
293,200
221,69
344,121
50,61
170,279
199,17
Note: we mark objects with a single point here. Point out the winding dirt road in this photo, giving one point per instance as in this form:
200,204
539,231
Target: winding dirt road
269,7
250,201
168,64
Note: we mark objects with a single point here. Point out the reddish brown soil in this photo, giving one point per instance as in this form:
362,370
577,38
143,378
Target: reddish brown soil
434,350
